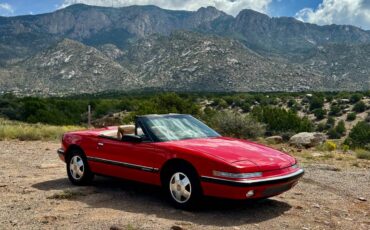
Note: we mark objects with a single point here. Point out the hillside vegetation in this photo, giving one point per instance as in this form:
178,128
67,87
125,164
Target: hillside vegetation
342,116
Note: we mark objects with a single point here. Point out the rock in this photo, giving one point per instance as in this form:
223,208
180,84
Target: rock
307,140
317,154
328,167
274,139
175,227
362,199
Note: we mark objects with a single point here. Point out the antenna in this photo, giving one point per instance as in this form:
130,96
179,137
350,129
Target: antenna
89,116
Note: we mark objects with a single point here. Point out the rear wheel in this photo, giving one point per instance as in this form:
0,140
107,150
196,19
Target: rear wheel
182,187
78,170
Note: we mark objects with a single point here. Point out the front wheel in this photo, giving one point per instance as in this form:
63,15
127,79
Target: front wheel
78,170
183,188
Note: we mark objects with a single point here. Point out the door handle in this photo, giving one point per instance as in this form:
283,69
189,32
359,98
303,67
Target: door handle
100,144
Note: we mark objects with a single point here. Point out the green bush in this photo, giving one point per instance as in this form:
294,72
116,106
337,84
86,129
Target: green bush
237,125
345,148
330,123
320,127
279,120
341,128
355,98
319,113
338,131
359,136
316,102
335,110
351,116
359,107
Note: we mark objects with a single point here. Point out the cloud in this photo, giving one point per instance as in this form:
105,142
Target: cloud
6,9
347,12
229,6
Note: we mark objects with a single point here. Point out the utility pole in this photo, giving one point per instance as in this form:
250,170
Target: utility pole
89,116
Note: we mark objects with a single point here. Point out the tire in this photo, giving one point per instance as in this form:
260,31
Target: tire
182,187
78,170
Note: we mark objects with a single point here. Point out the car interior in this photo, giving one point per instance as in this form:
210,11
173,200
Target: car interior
120,131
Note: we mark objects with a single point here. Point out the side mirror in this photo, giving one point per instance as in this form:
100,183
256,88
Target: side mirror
132,138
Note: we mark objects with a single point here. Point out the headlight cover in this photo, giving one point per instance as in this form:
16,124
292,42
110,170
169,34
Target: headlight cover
237,175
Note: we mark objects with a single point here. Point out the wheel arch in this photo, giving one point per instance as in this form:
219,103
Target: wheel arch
172,163
71,148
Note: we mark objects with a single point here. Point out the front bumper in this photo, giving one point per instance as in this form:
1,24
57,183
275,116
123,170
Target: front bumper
237,189
61,154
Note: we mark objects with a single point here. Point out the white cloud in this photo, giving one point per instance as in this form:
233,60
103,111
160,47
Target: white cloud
348,12
229,6
6,9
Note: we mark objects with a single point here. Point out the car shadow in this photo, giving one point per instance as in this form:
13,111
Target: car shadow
135,197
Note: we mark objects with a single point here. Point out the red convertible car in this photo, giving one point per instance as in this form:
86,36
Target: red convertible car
181,154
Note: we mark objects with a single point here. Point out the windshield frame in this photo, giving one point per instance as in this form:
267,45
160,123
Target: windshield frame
144,120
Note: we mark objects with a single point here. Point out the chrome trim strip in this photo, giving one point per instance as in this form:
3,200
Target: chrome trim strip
123,164
270,180
60,151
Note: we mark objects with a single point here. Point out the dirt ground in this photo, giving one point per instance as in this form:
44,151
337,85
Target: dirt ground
36,194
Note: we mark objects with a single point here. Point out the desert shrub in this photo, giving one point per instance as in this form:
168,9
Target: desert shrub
291,103
333,134
330,123
316,102
345,148
334,110
279,120
338,131
330,146
341,128
237,125
320,127
319,113
362,154
355,98
359,107
351,116
246,107
359,136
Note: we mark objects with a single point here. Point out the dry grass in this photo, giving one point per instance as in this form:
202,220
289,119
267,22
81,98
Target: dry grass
31,132
362,154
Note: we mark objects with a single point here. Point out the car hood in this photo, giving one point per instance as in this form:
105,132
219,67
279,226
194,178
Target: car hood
238,152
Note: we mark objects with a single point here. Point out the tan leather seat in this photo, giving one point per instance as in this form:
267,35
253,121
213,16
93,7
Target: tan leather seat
125,129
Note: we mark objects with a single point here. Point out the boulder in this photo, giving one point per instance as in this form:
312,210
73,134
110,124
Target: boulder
307,140
274,139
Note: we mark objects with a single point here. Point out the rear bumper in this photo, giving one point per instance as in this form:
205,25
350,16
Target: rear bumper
61,154
265,187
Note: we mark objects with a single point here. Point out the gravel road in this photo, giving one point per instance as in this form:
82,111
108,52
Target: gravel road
36,194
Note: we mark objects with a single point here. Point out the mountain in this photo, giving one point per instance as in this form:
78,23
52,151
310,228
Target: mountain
139,47
185,61
67,68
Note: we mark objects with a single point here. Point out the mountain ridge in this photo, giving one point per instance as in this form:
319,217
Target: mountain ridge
288,55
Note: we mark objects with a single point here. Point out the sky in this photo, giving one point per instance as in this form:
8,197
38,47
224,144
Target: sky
322,12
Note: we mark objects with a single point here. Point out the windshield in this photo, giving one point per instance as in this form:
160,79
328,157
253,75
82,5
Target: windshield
177,127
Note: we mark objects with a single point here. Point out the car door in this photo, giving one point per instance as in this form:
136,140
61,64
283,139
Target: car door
134,161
